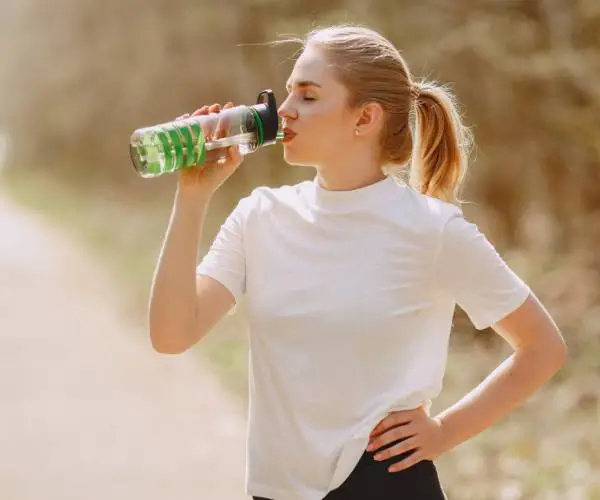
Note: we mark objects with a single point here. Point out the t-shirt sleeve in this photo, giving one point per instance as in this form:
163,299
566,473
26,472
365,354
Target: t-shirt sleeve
225,260
470,269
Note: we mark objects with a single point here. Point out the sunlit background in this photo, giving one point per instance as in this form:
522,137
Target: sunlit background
88,411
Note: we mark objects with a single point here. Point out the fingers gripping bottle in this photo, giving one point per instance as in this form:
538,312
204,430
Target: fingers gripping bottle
193,141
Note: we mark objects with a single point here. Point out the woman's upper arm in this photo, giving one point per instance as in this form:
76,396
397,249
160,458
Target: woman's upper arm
475,276
530,326
221,274
213,301
491,293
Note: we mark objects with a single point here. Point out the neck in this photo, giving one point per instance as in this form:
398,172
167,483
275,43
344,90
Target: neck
349,174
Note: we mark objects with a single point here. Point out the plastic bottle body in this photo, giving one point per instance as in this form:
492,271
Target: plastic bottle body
189,142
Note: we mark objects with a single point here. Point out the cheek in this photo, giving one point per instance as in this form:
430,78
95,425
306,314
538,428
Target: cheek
322,132
323,111
324,125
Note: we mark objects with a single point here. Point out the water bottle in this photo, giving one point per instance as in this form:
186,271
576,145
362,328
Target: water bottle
168,147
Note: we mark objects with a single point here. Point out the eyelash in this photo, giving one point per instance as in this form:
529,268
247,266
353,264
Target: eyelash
309,99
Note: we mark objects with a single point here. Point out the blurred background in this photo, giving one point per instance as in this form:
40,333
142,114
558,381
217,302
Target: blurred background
77,77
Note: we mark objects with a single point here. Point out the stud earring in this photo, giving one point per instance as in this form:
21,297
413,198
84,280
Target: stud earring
356,131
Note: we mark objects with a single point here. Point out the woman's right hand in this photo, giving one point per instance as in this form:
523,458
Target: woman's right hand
208,177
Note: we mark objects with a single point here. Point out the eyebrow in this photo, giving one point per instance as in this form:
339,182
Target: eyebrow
303,83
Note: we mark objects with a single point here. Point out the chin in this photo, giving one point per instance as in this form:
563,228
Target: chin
296,159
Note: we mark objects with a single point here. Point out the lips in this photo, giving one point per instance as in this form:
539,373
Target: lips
288,135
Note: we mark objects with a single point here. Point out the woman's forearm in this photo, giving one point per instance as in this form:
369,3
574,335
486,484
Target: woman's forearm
506,388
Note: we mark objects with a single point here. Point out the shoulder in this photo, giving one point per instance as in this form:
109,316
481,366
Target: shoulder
429,213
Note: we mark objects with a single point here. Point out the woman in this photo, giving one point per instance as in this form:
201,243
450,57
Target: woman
351,282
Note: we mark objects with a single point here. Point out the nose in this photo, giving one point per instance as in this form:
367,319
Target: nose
286,110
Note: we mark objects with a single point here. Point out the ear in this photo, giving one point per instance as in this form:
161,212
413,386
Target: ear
370,118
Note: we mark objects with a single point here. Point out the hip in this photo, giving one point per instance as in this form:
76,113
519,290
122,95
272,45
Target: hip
371,479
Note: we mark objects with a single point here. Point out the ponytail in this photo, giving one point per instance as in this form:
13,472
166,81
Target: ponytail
441,144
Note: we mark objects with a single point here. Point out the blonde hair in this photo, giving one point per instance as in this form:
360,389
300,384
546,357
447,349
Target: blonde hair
422,127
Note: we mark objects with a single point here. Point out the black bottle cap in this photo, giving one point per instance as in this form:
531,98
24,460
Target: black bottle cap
266,108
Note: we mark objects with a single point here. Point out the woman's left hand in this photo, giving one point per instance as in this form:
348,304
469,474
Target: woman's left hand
419,432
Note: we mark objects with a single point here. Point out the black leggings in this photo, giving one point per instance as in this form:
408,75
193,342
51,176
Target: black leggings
370,480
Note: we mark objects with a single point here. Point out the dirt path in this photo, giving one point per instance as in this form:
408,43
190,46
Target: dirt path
87,410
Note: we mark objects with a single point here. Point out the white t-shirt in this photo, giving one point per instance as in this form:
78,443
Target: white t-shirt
350,296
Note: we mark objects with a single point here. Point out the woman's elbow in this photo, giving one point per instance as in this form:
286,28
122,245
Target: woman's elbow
558,352
167,341
166,348
551,353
